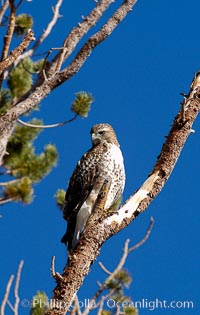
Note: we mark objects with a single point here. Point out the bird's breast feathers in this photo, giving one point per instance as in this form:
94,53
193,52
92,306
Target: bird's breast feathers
112,167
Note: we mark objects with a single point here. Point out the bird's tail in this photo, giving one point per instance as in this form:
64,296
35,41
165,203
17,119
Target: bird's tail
75,228
82,218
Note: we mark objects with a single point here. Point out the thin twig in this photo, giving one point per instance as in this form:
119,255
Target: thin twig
5,200
16,289
93,304
53,266
47,126
6,295
121,263
101,305
11,306
122,260
145,237
77,306
56,275
112,275
118,310
101,265
3,9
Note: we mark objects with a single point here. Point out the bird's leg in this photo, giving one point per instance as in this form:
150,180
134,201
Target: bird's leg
114,208
98,212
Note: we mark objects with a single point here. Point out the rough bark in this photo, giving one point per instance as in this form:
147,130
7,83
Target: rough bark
7,62
98,231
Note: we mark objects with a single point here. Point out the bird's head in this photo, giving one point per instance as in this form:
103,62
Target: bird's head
102,133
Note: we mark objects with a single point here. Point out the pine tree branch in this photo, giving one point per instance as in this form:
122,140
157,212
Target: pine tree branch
45,85
6,295
96,234
7,62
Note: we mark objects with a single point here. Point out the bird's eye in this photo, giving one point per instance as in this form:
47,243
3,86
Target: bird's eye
101,132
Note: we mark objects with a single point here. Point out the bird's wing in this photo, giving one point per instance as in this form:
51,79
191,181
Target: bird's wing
81,182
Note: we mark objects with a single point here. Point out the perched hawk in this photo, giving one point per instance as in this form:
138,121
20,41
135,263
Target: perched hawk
104,161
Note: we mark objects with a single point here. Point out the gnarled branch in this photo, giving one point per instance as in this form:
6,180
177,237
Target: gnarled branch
96,234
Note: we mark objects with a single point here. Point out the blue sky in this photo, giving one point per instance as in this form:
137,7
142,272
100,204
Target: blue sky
136,77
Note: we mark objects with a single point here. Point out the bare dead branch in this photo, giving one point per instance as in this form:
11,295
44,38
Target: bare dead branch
93,306
10,305
94,236
50,26
16,292
47,126
56,275
53,266
3,9
100,310
17,51
6,295
139,244
104,268
16,289
111,276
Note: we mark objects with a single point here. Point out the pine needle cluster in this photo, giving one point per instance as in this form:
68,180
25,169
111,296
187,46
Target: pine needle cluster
25,166
116,286
60,198
82,103
39,304
22,24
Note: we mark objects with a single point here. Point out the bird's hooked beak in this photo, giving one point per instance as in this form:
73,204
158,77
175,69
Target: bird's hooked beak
95,138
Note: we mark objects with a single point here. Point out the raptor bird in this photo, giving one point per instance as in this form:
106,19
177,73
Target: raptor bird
104,161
